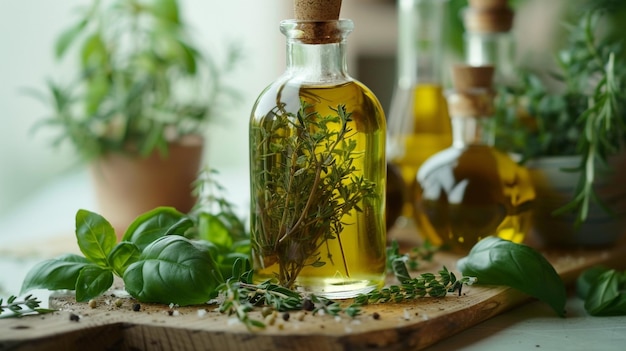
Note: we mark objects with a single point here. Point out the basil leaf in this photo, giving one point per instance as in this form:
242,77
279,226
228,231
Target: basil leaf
152,225
180,227
54,274
123,255
606,295
173,269
500,262
95,235
212,229
587,279
92,282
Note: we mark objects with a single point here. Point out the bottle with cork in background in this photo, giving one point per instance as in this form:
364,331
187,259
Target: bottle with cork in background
318,166
489,39
471,190
419,125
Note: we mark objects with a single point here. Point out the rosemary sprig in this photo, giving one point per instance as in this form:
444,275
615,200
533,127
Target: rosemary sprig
595,144
29,305
585,117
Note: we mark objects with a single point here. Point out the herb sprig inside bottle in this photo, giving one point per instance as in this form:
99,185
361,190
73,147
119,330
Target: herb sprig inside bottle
317,165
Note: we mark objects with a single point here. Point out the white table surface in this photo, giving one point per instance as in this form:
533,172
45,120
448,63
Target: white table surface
42,227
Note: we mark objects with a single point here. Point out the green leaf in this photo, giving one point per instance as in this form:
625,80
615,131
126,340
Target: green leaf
173,269
123,255
92,282
187,57
606,295
94,52
152,225
500,262
213,229
54,274
181,227
95,235
400,270
67,38
166,10
587,279
97,89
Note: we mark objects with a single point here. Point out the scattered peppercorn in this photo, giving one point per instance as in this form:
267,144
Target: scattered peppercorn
74,317
136,307
308,305
376,316
285,316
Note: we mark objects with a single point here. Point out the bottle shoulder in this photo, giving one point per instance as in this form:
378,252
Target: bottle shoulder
288,94
474,162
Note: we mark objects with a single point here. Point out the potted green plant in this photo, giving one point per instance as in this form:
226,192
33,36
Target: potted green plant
572,134
136,108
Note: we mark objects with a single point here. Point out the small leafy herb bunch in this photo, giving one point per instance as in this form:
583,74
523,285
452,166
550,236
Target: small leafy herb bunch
585,116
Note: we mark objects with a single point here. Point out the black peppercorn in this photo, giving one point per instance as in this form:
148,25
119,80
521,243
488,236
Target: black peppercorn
74,317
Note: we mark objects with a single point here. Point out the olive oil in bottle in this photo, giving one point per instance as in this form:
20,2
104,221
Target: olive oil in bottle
318,169
472,190
419,125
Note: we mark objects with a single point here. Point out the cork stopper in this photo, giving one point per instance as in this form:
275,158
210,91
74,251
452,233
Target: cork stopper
466,78
488,4
317,21
473,94
317,10
488,16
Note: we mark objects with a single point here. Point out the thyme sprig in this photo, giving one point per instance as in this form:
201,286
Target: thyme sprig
240,297
28,305
309,183
412,258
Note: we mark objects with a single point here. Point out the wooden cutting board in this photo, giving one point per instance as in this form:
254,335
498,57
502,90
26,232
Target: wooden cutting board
397,326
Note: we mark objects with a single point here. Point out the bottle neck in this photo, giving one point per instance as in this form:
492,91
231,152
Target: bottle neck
316,50
420,41
471,131
496,49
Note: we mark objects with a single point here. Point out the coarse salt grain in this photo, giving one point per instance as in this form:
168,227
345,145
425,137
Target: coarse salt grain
406,315
201,312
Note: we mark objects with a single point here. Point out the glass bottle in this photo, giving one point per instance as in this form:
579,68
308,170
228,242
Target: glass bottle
489,39
472,190
317,166
419,125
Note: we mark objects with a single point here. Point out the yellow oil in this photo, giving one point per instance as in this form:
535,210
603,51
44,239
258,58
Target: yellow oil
467,194
354,261
430,133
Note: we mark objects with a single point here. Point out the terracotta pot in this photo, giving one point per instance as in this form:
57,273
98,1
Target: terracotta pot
127,185
555,188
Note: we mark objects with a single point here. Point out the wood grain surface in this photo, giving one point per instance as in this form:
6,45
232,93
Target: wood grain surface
397,326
